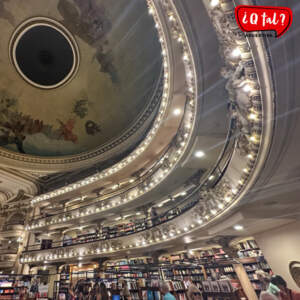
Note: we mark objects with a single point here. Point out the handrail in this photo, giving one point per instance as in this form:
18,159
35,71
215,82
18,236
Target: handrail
131,228
147,223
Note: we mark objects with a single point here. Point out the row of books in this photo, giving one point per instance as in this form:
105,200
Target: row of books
185,271
130,262
247,245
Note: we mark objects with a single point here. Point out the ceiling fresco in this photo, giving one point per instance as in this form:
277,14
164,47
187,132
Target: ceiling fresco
119,66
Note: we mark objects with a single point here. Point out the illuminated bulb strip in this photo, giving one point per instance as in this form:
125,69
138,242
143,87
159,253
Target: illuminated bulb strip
234,191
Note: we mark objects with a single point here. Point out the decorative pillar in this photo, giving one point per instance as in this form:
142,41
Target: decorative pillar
245,281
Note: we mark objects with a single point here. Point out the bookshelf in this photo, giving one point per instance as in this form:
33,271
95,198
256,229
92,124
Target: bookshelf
12,286
252,259
210,270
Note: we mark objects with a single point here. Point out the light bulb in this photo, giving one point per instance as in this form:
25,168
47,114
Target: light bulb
199,154
177,111
185,57
236,52
238,227
247,88
250,156
214,3
252,116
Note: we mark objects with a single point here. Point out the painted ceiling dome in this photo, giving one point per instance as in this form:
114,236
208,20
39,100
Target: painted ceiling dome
75,74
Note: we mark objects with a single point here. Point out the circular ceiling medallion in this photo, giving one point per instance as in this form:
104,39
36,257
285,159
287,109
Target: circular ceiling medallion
44,53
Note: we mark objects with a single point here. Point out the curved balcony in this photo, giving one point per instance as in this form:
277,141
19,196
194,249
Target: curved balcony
111,233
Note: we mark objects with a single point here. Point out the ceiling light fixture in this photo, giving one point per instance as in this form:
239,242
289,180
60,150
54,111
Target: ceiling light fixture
199,154
177,111
214,3
238,227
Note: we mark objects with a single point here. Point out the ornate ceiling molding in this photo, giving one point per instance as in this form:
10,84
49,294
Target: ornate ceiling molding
50,165
12,183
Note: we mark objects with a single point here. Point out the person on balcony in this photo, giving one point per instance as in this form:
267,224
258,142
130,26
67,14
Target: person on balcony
153,216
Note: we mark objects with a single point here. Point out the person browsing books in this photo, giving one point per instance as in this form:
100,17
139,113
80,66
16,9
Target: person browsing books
193,292
285,292
165,290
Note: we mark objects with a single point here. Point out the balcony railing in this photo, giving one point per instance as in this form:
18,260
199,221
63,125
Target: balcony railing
185,205
112,232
